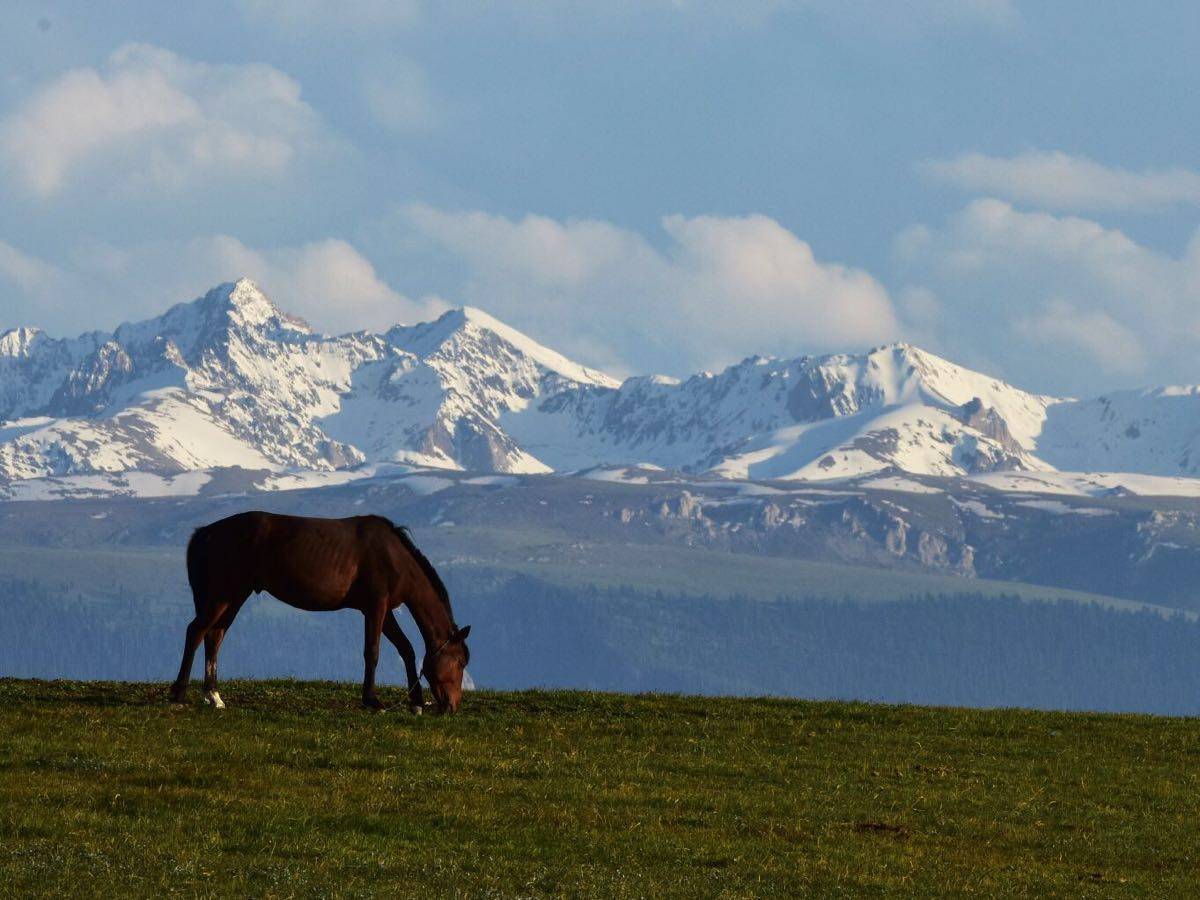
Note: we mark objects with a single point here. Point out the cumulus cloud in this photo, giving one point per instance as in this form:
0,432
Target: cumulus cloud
1056,180
28,285
721,287
1062,300
328,282
768,278
149,118
398,95
25,271
1114,346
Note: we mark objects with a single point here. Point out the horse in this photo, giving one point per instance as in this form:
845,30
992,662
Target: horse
363,562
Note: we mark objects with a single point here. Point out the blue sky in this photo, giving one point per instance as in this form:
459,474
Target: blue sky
646,186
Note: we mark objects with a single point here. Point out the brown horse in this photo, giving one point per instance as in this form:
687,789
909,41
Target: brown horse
364,563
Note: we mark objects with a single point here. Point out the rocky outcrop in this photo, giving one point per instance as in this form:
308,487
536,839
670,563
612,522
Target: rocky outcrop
989,423
999,452
858,528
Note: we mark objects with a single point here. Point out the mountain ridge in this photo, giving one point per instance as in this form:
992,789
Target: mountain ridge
230,380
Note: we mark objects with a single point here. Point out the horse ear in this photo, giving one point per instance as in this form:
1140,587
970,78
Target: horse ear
461,634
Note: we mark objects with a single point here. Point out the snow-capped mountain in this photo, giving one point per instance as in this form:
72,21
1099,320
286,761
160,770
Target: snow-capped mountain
833,416
229,380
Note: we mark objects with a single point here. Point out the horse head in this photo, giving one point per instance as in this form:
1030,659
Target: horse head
444,667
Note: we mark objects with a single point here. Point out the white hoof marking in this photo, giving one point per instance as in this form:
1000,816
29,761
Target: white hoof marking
213,699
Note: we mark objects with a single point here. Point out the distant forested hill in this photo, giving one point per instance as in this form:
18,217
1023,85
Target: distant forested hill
964,649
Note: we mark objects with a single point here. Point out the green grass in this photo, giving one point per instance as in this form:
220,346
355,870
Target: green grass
293,791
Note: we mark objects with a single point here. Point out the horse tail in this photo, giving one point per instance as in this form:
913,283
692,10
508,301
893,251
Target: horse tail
197,565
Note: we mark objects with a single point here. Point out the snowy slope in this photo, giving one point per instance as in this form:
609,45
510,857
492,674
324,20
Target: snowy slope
230,380
1156,432
832,416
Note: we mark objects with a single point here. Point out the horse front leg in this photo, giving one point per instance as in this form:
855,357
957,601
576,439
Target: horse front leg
373,627
391,630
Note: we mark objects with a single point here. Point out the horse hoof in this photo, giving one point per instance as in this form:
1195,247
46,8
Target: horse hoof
213,699
416,709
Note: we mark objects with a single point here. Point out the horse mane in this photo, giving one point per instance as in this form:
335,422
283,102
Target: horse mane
435,579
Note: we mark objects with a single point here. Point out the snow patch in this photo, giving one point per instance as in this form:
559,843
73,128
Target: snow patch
424,485
978,508
1090,484
901,484
1057,507
493,480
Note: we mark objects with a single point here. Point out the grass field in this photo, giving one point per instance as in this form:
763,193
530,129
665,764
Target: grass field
294,791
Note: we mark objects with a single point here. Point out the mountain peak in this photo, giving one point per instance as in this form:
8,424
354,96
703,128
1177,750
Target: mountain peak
457,324
19,341
250,307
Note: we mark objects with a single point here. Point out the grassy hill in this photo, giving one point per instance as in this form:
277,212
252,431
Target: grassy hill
293,791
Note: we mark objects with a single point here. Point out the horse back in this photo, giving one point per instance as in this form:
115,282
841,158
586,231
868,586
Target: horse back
310,563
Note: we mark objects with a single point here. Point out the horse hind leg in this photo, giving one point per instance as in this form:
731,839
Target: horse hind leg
197,629
212,646
191,640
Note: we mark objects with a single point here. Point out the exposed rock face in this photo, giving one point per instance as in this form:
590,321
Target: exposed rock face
856,529
1000,452
818,395
989,423
88,387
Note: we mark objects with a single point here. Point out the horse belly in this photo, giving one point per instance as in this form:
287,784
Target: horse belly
308,589
310,564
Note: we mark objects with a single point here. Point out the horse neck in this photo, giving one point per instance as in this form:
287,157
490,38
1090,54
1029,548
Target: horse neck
432,617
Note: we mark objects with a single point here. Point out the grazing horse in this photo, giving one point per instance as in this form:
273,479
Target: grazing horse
364,563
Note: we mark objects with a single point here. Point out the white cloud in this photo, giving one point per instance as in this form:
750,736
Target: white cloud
26,272
398,95
328,282
1058,294
1058,181
28,285
152,119
1115,347
722,288
756,277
